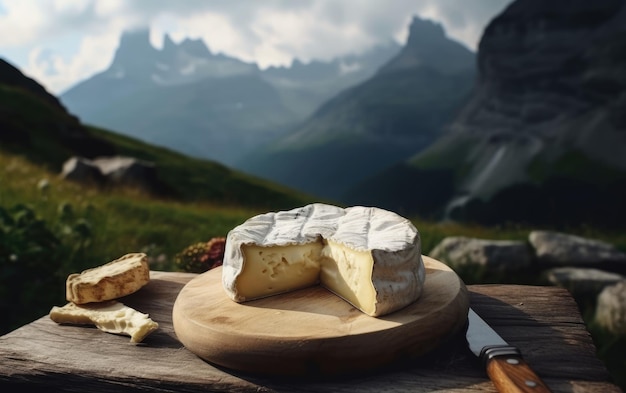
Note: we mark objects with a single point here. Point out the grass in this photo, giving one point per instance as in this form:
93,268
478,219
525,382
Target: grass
573,164
122,220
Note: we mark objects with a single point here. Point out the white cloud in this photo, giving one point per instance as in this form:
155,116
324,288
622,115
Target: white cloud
60,73
71,6
63,41
307,35
21,22
463,24
215,29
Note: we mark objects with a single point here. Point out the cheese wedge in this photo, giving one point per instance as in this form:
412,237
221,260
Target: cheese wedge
112,280
368,256
111,317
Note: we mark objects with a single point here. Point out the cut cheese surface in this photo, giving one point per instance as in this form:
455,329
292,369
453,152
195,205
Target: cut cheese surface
368,256
111,317
278,269
112,280
348,274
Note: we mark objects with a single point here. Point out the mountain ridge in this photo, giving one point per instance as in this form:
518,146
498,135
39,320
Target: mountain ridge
139,71
361,130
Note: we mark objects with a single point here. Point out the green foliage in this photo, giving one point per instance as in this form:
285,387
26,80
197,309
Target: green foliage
35,258
611,349
29,268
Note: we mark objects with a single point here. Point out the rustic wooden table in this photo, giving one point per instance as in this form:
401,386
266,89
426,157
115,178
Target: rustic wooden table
544,322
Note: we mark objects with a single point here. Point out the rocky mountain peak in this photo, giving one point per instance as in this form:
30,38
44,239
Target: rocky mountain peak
428,45
424,32
195,47
169,46
134,52
536,39
136,39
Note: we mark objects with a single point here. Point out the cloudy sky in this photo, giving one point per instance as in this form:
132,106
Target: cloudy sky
60,42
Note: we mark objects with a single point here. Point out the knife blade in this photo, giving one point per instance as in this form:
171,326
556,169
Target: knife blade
504,364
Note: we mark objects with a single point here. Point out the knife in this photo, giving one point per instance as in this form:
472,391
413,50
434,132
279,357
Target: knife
504,363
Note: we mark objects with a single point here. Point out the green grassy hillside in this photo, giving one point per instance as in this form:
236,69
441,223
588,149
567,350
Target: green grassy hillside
189,179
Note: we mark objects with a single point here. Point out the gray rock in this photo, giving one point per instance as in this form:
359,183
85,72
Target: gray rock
582,282
127,171
116,170
611,308
493,255
563,249
81,170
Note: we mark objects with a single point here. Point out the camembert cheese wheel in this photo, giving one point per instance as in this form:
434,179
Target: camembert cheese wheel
112,280
368,256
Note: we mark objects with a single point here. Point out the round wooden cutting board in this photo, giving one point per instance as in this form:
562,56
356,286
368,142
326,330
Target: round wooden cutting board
313,331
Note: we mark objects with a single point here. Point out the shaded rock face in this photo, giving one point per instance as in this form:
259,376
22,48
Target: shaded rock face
540,140
543,65
547,113
544,61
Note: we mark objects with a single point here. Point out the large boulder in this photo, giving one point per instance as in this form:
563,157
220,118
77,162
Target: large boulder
115,170
611,308
562,249
499,256
82,170
128,171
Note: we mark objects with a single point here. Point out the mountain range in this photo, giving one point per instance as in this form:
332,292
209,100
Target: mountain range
206,104
366,128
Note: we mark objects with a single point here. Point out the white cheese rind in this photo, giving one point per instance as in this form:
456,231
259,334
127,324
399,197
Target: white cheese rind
368,256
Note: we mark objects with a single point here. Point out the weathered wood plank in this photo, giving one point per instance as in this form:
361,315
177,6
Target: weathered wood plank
543,321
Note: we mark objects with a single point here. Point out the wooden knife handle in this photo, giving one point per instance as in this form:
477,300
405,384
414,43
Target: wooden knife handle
510,373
